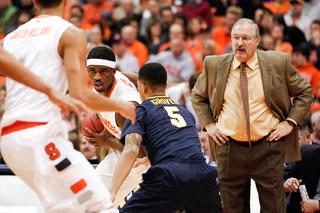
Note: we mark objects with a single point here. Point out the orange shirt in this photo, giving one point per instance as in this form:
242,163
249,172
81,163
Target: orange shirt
282,9
311,74
92,12
195,47
222,38
285,47
139,50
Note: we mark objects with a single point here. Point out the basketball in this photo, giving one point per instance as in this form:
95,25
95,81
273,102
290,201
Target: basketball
93,122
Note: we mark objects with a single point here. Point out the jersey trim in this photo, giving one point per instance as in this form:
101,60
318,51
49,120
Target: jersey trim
114,85
20,125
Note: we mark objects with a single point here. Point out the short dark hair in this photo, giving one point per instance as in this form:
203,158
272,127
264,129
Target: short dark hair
316,22
102,52
49,3
303,49
153,74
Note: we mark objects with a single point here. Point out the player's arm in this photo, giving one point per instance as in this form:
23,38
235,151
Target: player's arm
128,156
13,69
72,48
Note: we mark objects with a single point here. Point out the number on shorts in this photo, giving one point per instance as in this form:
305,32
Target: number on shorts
52,151
176,119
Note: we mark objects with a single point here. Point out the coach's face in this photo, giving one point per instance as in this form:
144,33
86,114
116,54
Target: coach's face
244,44
101,77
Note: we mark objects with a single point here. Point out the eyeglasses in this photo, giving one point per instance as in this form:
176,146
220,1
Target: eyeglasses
244,38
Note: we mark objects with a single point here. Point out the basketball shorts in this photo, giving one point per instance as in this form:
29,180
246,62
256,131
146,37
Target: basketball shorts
106,169
173,184
46,161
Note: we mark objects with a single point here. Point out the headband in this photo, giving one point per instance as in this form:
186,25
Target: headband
102,62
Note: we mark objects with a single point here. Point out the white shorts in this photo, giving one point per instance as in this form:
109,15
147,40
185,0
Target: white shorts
106,169
46,161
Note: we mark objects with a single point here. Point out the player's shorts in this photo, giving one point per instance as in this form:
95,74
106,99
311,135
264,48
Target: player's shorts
176,183
106,169
45,160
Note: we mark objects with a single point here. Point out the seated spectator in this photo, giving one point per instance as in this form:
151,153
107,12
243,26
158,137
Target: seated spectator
209,48
109,25
300,60
304,172
96,35
295,18
265,21
127,9
176,31
167,19
76,10
89,151
315,125
8,15
181,18
222,34
200,8
277,32
203,136
314,43
134,22
154,8
92,10
267,42
278,6
177,61
304,134
138,49
155,37
125,60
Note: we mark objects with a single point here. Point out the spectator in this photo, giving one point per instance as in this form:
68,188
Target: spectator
176,31
314,43
278,6
135,24
89,151
154,8
199,8
222,34
125,60
96,35
127,9
181,18
8,16
177,61
267,42
209,48
155,37
277,32
92,10
138,49
295,18
311,9
315,124
304,134
167,19
300,60
203,136
76,10
304,172
265,21
110,27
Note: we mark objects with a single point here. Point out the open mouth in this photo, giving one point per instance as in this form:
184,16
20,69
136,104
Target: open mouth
98,86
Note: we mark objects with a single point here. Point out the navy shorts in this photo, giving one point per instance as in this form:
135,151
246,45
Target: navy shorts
173,184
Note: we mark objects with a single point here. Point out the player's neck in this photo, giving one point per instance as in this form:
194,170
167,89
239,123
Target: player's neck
109,89
156,93
57,11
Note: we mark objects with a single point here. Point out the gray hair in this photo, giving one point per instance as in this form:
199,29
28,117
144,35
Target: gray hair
315,117
243,21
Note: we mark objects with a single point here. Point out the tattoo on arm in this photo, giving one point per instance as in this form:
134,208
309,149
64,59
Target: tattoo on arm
133,139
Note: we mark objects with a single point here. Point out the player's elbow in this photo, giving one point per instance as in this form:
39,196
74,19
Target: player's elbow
131,152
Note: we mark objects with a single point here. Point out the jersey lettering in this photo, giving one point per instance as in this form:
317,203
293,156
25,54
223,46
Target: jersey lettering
52,151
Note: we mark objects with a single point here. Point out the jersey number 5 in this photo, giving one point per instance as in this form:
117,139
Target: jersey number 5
176,119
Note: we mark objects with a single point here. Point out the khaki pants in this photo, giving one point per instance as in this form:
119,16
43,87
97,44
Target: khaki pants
263,163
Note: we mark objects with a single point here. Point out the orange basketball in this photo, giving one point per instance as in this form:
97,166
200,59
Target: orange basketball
93,122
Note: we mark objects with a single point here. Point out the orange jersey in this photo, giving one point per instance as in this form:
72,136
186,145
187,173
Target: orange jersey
139,50
311,74
222,38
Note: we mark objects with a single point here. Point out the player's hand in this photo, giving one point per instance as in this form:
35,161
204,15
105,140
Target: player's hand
103,138
65,103
141,161
310,206
215,133
291,185
279,131
128,111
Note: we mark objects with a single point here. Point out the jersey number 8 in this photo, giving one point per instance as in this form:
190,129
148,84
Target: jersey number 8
176,119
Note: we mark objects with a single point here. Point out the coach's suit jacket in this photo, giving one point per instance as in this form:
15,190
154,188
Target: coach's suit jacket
280,82
308,169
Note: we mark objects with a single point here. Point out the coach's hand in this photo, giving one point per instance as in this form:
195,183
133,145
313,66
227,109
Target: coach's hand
279,131
215,133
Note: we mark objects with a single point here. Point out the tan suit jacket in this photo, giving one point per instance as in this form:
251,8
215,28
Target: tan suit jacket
280,82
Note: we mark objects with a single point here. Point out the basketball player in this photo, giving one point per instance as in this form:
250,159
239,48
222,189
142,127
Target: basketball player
107,81
34,139
179,175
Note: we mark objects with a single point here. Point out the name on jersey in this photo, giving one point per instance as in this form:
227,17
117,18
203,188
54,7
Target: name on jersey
30,32
108,124
163,101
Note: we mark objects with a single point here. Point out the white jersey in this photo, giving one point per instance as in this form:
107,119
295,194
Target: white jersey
35,44
123,89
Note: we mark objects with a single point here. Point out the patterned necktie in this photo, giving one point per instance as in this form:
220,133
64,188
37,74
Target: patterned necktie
245,97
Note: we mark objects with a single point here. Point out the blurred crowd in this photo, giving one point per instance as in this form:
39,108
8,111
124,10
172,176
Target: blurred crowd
179,34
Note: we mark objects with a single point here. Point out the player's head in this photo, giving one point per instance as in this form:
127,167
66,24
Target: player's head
47,3
152,80
101,67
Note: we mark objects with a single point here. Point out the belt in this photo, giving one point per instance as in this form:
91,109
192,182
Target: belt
20,125
246,143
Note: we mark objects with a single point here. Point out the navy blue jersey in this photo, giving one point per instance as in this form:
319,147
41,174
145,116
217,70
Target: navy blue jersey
167,130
